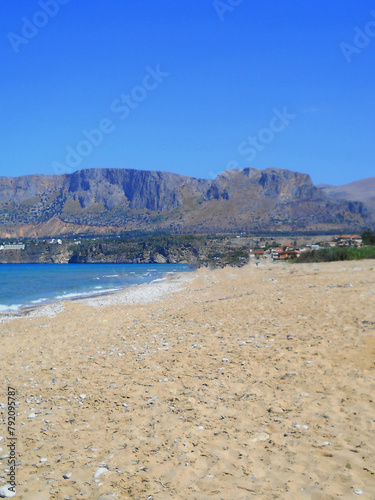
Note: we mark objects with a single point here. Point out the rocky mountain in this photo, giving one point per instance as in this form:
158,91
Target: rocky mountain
363,190
101,201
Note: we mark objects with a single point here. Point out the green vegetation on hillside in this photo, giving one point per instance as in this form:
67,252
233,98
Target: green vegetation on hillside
196,250
337,253
368,238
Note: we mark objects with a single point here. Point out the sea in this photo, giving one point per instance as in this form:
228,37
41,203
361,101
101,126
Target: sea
25,285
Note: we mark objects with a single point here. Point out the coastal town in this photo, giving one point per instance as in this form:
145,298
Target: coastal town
290,250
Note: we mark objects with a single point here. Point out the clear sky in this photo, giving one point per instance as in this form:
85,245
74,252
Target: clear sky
188,86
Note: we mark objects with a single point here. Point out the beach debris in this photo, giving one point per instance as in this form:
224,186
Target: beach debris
43,460
32,415
67,475
100,471
358,492
82,396
200,427
7,491
259,437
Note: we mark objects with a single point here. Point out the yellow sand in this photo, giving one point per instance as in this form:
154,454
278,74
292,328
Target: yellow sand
247,383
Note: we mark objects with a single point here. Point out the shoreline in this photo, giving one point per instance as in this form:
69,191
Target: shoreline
129,294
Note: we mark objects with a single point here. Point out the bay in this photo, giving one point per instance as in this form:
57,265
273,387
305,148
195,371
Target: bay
24,285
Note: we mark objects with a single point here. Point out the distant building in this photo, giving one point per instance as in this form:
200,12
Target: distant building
346,241
306,249
285,254
256,254
13,247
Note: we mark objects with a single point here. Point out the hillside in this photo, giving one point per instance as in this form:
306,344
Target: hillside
102,201
363,190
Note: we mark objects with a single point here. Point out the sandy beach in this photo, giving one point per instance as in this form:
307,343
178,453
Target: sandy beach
235,383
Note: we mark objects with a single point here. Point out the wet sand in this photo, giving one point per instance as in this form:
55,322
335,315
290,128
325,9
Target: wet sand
236,383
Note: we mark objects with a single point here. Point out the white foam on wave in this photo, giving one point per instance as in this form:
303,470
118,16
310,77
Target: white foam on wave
13,307
38,301
111,276
157,279
85,294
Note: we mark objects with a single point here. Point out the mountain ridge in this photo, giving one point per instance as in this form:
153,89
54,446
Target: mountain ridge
363,190
117,200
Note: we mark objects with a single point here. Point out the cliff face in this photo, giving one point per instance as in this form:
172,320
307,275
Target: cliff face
98,200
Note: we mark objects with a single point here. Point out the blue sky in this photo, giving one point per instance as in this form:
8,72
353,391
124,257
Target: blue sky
192,87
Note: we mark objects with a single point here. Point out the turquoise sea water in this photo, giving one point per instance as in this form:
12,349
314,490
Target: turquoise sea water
24,285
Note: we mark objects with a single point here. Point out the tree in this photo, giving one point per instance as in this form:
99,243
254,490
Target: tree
368,237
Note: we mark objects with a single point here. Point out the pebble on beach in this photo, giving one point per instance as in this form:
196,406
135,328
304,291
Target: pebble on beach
6,491
100,471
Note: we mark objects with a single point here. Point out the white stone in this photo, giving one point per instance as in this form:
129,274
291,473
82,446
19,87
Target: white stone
259,436
32,415
82,396
6,491
100,471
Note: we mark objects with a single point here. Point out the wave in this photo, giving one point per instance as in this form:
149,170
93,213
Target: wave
13,307
86,294
39,301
